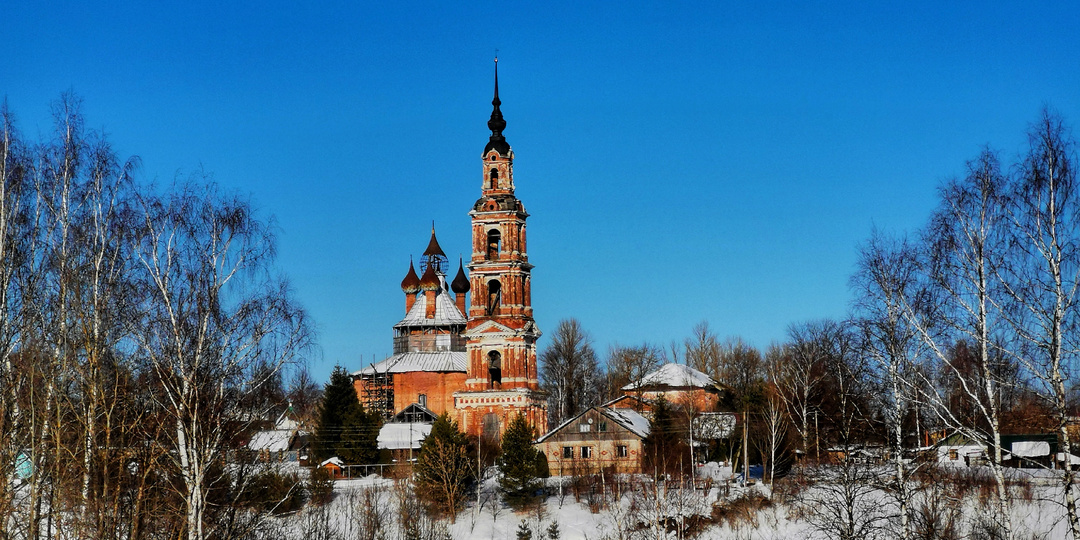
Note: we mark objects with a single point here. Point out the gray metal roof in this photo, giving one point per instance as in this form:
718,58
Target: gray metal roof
446,312
418,361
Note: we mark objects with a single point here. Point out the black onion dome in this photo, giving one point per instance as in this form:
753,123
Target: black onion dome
429,281
460,285
496,123
411,283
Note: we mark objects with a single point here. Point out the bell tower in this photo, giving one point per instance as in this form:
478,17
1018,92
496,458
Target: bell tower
501,334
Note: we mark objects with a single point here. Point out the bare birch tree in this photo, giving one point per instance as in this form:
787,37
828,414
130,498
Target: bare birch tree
1044,280
215,317
886,277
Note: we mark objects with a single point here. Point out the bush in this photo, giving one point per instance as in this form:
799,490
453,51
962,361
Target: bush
321,486
273,491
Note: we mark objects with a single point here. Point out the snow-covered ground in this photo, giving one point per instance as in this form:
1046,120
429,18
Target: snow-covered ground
716,508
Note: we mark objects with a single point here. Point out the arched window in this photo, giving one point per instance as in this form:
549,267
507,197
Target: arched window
495,369
490,428
494,244
494,176
494,296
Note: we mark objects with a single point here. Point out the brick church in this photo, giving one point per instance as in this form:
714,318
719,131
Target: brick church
468,346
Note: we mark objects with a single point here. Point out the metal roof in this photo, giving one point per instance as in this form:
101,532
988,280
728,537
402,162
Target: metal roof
446,312
418,361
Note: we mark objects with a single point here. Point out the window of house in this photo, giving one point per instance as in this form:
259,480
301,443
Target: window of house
620,451
584,428
603,426
568,452
586,452
953,454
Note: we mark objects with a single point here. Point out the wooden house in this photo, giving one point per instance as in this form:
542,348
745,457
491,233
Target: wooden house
599,438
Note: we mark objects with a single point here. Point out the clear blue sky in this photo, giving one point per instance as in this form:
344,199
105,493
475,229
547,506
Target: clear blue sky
682,162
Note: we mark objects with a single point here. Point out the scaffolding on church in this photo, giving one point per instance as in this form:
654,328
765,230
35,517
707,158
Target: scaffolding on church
379,393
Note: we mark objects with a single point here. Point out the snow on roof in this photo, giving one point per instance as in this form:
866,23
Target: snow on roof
446,312
275,440
1073,460
1030,448
333,461
418,361
673,375
398,436
284,422
627,418
630,419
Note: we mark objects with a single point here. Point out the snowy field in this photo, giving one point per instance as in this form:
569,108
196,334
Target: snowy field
715,508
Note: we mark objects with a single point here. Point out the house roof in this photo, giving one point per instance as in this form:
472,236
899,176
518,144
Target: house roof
627,418
274,440
400,436
418,361
333,461
674,375
631,420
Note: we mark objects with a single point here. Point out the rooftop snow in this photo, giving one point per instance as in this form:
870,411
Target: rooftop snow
275,440
446,312
630,419
673,375
395,436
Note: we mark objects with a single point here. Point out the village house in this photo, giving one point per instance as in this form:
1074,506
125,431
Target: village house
601,438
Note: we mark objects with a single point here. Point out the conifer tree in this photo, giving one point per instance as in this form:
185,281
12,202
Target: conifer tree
444,470
519,471
339,405
664,449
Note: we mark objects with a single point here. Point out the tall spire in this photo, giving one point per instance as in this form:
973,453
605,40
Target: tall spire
496,123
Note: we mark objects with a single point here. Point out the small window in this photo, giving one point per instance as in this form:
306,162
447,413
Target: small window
584,428
492,157
603,427
568,452
620,450
586,452
953,454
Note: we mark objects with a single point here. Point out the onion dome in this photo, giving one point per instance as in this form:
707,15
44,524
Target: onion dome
411,283
429,281
433,248
460,285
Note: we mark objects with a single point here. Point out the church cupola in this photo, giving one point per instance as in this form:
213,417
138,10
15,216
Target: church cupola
434,256
410,285
460,286
430,284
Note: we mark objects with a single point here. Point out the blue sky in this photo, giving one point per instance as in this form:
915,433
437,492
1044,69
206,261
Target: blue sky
716,161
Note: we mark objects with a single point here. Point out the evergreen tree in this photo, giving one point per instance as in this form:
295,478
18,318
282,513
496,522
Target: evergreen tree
444,469
339,404
519,471
359,443
523,531
664,449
